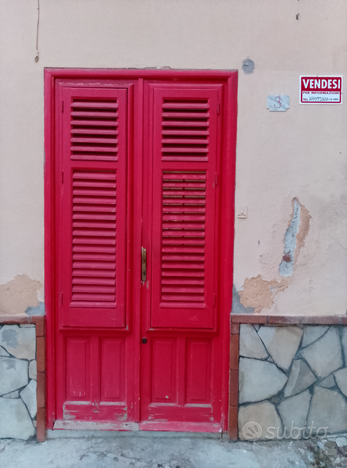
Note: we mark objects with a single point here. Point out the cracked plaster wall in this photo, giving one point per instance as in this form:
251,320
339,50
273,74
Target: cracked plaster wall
299,154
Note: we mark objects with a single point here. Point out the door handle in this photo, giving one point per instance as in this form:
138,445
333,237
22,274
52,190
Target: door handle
143,264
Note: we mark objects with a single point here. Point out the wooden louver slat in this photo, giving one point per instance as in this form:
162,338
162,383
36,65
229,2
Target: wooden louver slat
94,238
94,130
183,237
185,130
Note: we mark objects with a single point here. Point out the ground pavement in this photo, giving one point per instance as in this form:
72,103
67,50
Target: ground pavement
167,451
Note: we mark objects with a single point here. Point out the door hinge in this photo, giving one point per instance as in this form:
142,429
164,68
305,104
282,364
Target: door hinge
214,299
62,177
218,108
61,298
62,106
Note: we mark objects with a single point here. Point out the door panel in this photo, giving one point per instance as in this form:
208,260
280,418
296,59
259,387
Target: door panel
198,367
94,381
184,163
172,379
78,369
94,208
112,376
181,378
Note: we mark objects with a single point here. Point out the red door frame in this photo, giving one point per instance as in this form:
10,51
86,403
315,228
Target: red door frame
135,77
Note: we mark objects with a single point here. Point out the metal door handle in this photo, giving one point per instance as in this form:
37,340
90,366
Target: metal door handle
143,264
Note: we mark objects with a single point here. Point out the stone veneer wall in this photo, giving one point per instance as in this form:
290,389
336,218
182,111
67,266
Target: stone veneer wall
292,376
22,378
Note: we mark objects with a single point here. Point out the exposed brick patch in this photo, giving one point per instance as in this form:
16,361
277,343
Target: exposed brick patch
249,318
40,354
41,424
235,328
327,320
282,320
40,323
41,390
234,388
233,412
288,320
234,352
14,319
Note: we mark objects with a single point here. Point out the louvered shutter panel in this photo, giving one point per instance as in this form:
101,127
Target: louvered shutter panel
93,205
184,195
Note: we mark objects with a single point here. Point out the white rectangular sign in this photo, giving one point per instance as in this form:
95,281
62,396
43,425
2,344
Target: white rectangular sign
321,89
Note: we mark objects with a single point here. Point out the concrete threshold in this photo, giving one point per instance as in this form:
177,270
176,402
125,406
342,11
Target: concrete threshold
72,434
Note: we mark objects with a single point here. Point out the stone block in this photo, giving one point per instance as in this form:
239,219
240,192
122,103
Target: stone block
328,410
300,378
329,382
312,333
28,395
261,419
11,395
15,422
259,380
250,344
293,412
32,370
3,352
344,342
341,380
20,342
14,374
324,356
282,343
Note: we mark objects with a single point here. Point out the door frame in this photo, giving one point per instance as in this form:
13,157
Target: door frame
52,77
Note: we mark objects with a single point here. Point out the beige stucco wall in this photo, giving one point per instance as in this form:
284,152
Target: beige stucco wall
280,156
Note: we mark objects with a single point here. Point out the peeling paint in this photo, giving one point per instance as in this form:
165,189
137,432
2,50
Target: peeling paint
39,310
239,308
258,294
19,294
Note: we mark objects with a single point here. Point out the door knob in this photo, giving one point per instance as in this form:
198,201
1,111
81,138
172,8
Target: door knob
144,340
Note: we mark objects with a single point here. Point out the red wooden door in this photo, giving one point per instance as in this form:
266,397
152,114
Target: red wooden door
181,373
152,363
94,340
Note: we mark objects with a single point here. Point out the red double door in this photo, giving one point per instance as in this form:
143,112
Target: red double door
138,342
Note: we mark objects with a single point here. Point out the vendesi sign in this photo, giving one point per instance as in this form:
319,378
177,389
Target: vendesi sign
321,89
